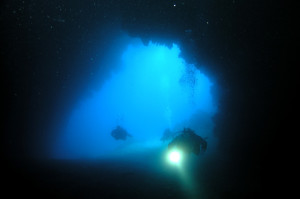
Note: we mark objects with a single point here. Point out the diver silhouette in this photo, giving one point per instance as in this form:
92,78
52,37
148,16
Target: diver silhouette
120,133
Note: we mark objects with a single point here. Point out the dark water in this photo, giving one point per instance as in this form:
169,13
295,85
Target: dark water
144,175
54,54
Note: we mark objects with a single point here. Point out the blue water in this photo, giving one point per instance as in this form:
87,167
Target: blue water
152,89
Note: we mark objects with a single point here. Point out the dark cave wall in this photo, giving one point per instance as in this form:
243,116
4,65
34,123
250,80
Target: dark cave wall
240,48
237,43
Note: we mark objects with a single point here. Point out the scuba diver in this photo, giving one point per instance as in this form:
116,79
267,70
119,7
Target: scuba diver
189,142
120,133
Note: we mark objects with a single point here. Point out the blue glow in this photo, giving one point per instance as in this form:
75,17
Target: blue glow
152,89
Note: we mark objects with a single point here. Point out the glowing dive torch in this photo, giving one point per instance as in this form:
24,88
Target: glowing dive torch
175,156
